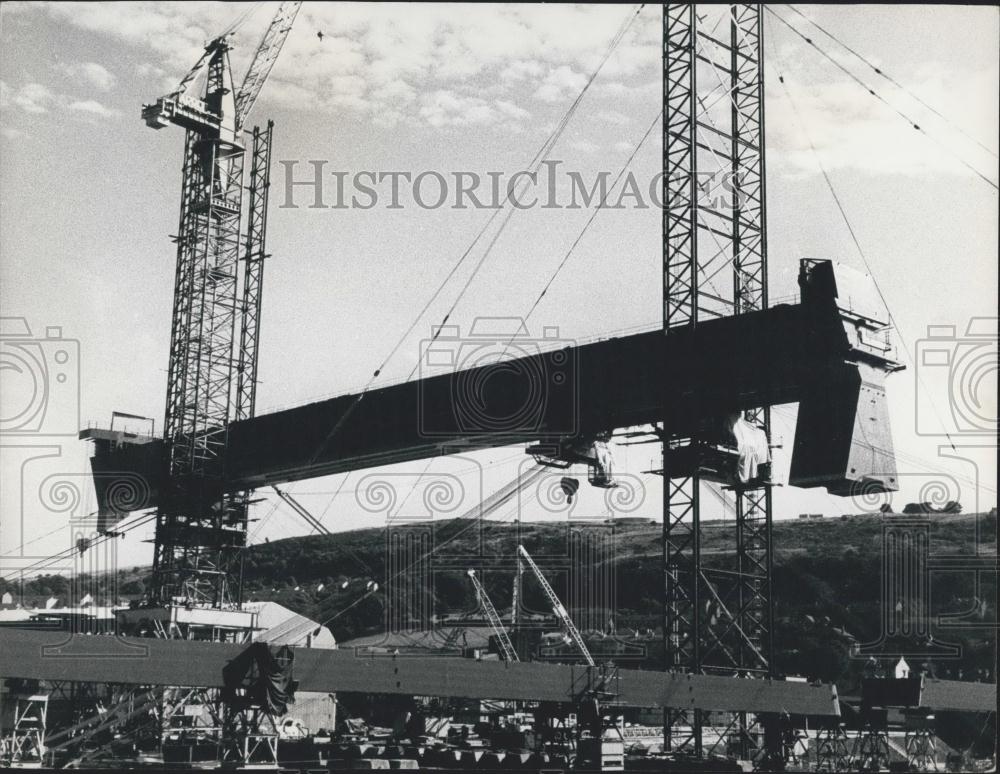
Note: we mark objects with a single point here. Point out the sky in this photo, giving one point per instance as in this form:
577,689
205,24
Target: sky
89,197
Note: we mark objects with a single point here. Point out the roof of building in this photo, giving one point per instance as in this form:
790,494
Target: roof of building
440,638
281,626
15,614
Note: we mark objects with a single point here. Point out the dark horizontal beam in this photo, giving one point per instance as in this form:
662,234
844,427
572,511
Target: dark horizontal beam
784,354
48,655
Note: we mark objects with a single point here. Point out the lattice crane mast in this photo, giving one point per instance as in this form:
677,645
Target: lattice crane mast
211,377
506,646
557,607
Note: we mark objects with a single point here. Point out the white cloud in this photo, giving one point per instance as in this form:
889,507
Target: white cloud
32,98
36,99
584,146
449,108
94,108
521,70
445,108
402,57
399,92
559,83
851,129
160,82
511,110
89,73
613,117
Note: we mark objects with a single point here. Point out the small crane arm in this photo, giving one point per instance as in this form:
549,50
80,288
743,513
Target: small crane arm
494,618
557,608
264,58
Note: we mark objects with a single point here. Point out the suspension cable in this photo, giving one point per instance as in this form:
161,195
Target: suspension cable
883,100
893,81
857,245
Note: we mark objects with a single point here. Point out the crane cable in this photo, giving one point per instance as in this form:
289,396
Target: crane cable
66,553
240,20
534,164
893,81
603,202
882,99
857,243
546,146
586,226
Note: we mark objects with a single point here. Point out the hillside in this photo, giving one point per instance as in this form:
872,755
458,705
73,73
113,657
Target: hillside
827,581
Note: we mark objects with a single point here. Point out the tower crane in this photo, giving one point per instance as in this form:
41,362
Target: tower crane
506,646
557,607
212,372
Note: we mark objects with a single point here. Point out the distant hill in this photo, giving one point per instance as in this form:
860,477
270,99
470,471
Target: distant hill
827,581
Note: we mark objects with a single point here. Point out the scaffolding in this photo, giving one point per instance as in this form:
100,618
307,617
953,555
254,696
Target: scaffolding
23,745
716,620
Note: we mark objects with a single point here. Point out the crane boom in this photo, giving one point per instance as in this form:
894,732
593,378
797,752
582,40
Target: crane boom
264,58
516,592
201,530
494,618
300,509
557,608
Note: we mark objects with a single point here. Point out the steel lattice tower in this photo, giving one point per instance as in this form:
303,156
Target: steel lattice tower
200,530
717,619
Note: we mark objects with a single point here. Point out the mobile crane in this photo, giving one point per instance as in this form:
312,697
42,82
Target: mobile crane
557,607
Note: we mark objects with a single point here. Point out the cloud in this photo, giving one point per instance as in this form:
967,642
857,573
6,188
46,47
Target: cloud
91,107
559,83
174,32
36,99
851,129
445,108
89,73
521,70
511,110
448,108
613,117
160,82
33,98
403,60
584,146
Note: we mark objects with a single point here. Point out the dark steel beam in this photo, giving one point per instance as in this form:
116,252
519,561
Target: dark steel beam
53,656
785,354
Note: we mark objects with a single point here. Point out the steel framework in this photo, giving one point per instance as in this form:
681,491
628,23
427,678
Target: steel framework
920,746
23,745
503,638
832,748
200,531
717,619
212,373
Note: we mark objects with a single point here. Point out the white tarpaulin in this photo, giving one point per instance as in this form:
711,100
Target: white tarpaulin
751,442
